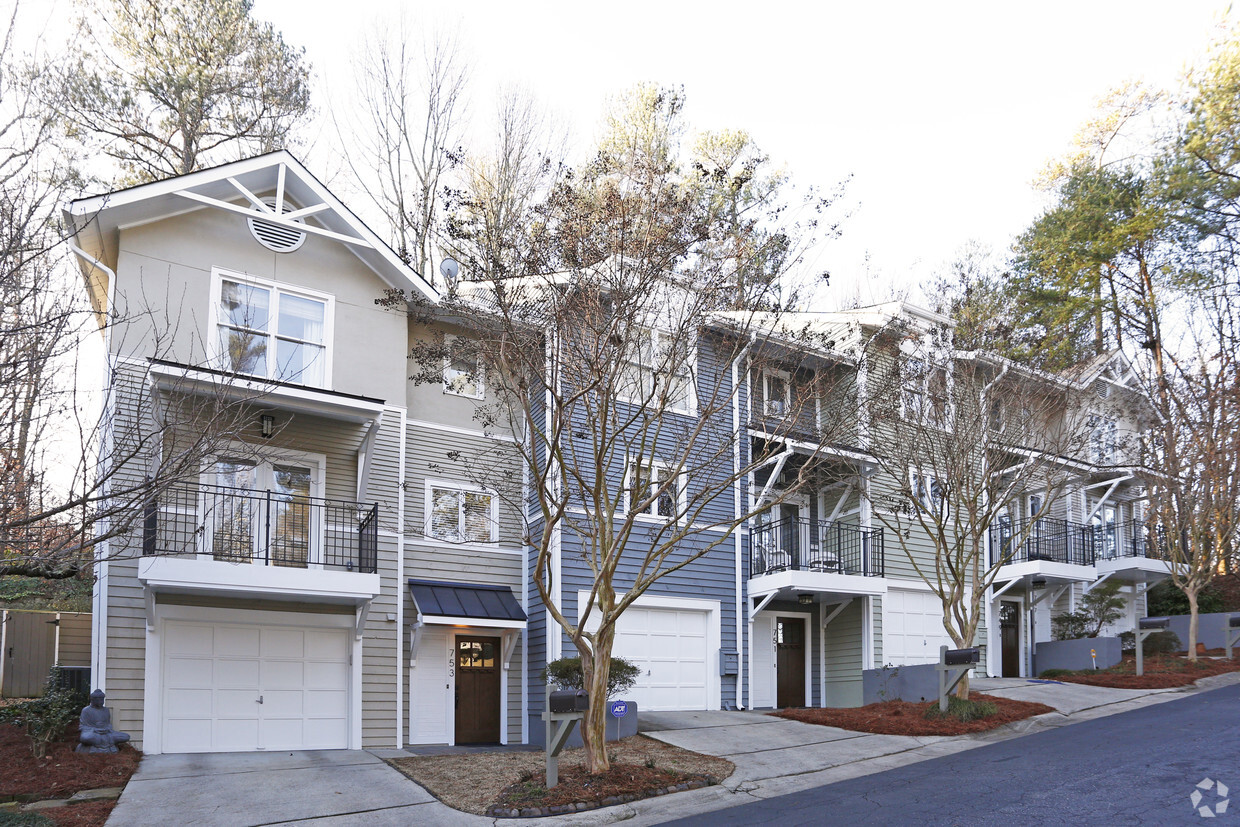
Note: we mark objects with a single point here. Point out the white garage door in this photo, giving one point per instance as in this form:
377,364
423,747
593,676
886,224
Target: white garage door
669,646
230,688
912,627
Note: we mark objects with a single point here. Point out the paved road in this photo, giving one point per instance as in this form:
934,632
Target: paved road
1133,768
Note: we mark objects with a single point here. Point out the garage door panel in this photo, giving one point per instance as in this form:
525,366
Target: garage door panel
235,703
283,643
189,673
187,734
326,734
669,648
280,703
233,735
237,674
187,702
190,639
913,628
240,642
283,674
327,645
321,675
323,703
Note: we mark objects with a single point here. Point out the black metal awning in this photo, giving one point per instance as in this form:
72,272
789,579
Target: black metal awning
466,603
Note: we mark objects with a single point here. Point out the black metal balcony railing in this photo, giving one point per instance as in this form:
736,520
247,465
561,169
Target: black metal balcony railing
1061,541
800,544
272,528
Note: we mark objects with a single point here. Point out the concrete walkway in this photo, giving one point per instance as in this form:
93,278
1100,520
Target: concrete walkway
773,757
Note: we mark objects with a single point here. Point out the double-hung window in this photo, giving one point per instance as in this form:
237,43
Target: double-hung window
653,488
459,514
930,492
776,393
925,397
1103,437
272,331
657,372
462,369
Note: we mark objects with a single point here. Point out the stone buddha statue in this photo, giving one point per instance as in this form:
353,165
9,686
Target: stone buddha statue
96,727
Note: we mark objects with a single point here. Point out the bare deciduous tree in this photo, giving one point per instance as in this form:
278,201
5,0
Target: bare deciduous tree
411,97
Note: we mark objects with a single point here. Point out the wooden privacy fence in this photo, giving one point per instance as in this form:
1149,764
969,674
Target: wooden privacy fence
32,642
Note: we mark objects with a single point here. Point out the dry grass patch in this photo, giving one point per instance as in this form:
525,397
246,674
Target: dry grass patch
474,782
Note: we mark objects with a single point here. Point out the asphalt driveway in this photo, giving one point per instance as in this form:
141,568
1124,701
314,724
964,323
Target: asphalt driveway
324,788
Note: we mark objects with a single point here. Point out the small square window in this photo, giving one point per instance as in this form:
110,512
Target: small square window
463,374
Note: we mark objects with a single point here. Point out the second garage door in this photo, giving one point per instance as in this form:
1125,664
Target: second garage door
670,648
231,687
912,627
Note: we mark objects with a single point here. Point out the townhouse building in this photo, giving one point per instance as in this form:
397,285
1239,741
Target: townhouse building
324,569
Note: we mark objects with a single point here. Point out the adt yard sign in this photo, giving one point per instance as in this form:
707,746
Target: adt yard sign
619,709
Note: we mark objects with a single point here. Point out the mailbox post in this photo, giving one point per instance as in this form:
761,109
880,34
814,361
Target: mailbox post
1147,626
1231,633
565,707
953,665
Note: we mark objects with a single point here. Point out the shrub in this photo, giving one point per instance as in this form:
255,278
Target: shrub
962,710
566,674
1099,607
1165,599
1054,673
1158,643
1069,626
46,717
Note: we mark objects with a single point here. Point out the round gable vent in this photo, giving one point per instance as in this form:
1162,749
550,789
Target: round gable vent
277,237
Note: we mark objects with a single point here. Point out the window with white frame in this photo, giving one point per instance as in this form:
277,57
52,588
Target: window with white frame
658,372
459,514
776,393
462,369
925,393
1103,437
930,492
645,477
272,331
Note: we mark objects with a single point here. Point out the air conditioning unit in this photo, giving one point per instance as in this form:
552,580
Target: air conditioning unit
774,407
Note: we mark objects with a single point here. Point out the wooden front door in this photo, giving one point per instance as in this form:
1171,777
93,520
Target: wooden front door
790,661
477,690
1009,633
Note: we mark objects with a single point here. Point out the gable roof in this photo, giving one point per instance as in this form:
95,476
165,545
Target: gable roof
95,222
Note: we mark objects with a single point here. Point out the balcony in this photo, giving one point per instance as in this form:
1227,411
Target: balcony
1131,551
800,554
1047,540
272,544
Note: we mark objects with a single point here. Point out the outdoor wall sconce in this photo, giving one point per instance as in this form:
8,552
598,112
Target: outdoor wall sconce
1038,583
805,599
268,425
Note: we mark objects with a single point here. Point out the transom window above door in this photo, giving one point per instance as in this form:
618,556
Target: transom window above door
272,331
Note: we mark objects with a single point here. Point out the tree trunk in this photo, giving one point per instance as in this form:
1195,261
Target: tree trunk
1192,624
594,727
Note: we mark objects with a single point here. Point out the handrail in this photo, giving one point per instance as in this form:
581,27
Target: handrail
801,544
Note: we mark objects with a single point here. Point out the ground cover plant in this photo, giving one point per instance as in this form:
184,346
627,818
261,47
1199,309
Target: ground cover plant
477,781
906,718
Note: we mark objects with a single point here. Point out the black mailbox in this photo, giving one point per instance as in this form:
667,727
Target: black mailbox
1234,621
570,700
961,657
1153,623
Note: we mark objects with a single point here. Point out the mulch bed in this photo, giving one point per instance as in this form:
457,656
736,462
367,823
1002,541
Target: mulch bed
62,773
1161,672
578,791
904,718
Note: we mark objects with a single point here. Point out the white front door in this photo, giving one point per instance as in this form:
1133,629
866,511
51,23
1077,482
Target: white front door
669,646
263,512
235,688
763,661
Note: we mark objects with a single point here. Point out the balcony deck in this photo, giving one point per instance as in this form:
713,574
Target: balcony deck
269,544
799,554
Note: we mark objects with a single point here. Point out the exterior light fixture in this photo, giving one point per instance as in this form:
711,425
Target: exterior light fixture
268,425
805,599
1038,583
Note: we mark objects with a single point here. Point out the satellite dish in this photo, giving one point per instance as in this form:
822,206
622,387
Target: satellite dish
449,268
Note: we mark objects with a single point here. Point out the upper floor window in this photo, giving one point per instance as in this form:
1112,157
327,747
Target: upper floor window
776,393
460,514
925,393
647,479
657,372
930,492
462,369
272,331
1103,437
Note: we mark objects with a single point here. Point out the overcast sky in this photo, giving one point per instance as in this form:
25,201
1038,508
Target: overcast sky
942,113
